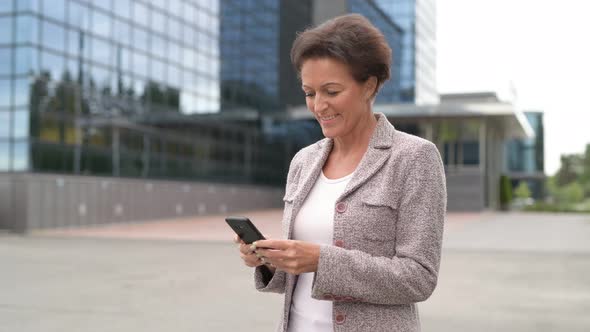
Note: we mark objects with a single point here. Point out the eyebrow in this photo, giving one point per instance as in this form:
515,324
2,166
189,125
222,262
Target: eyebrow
323,85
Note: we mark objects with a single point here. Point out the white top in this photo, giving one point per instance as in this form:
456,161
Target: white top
315,223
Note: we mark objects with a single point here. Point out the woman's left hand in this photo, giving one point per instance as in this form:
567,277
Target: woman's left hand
291,256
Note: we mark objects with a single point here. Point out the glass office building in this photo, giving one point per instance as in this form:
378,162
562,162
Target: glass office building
525,157
100,86
391,91
256,39
417,18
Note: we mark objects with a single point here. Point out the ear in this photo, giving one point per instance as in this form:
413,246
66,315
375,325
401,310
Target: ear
370,87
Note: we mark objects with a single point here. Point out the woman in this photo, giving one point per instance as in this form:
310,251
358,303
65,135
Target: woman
364,207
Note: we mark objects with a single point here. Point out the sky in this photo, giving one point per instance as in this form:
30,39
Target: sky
540,47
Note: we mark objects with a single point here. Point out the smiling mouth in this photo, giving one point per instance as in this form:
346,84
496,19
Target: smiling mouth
328,118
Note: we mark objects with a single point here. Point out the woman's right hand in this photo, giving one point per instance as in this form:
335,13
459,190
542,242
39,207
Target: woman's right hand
247,254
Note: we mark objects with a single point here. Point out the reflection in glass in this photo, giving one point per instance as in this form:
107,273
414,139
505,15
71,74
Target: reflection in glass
140,13
78,16
20,161
123,8
53,64
100,51
139,64
4,155
122,32
27,29
23,61
53,36
101,24
5,29
4,124
5,92
22,5
55,9
21,91
140,39
21,124
5,60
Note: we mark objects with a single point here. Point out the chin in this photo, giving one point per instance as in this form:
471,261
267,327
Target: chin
329,132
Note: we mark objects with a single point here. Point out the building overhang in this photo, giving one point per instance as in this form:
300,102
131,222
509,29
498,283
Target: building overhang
513,121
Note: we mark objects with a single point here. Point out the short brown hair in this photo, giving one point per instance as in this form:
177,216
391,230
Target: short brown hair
351,39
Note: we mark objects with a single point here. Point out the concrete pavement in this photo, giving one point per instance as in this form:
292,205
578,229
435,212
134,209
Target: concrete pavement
500,272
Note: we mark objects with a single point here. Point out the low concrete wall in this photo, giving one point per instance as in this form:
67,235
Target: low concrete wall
36,201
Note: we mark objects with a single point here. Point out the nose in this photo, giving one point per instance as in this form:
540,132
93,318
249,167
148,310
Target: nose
319,104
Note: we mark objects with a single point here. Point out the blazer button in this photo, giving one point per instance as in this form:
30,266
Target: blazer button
339,243
341,207
340,318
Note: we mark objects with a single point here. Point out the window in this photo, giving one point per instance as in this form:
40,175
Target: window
140,39
122,32
4,154
123,8
5,6
4,125
5,61
53,36
27,29
21,91
20,160
5,93
140,14
21,124
54,64
100,51
101,24
55,9
6,31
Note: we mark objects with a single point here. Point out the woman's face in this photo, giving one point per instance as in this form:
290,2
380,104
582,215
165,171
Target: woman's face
338,102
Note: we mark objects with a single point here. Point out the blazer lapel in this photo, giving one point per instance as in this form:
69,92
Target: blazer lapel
377,154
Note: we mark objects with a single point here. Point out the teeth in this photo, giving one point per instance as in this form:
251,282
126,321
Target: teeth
328,118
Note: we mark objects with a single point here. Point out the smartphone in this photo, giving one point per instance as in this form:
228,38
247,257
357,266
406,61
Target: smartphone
245,229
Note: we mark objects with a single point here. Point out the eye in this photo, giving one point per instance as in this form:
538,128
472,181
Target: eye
309,94
332,93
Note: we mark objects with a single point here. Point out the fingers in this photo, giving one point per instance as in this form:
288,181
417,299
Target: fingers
272,244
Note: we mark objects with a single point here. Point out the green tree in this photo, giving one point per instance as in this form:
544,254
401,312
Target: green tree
522,191
505,192
571,168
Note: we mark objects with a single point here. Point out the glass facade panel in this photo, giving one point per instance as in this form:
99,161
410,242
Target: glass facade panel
4,155
5,29
20,161
27,29
5,61
5,120
140,39
53,36
52,64
101,24
6,6
27,5
5,93
100,51
21,124
55,9
140,13
123,8
21,91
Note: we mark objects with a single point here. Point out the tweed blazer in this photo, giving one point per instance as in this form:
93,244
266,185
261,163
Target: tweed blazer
388,228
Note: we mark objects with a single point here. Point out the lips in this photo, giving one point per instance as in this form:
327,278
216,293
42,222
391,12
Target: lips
328,117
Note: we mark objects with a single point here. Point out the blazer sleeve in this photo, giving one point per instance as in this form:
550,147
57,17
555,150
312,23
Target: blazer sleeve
411,275
264,280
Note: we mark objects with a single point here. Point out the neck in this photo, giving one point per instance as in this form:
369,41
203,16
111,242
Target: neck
358,139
